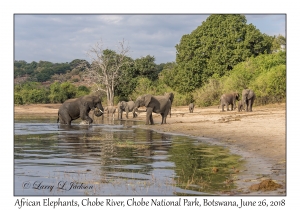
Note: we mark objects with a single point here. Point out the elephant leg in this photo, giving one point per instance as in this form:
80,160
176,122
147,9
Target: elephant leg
151,119
64,118
85,116
223,107
148,115
227,106
163,118
247,104
250,105
134,114
90,120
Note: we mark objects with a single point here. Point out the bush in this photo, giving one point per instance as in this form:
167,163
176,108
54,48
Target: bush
30,92
265,74
59,92
82,91
270,86
18,99
210,93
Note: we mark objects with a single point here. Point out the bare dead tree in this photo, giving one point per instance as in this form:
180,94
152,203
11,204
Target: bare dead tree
105,68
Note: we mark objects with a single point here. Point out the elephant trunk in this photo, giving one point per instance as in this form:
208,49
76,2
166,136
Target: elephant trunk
98,112
244,102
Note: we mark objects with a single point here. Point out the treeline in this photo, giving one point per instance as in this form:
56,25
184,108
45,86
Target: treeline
44,70
34,92
223,54
65,77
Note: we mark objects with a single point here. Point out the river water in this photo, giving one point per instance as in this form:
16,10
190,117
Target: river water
115,158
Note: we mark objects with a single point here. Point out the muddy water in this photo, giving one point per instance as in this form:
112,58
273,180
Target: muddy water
115,158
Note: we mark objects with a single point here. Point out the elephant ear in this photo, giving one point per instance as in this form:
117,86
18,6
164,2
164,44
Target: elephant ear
89,102
250,94
123,104
84,103
171,97
147,99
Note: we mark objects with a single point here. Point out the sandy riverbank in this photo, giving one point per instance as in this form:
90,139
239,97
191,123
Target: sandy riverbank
258,136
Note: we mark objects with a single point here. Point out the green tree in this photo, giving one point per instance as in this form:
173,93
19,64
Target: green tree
166,74
55,93
127,81
215,47
30,92
79,64
147,67
278,42
59,92
82,91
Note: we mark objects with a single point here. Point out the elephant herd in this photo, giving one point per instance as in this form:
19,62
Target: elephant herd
248,97
73,109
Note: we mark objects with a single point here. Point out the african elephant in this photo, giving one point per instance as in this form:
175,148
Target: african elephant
248,97
110,111
191,107
157,104
124,106
240,106
228,99
171,97
73,109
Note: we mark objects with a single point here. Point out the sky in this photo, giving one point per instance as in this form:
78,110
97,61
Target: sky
63,38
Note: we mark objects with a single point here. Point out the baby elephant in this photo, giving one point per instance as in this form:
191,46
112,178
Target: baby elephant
191,107
110,111
240,106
